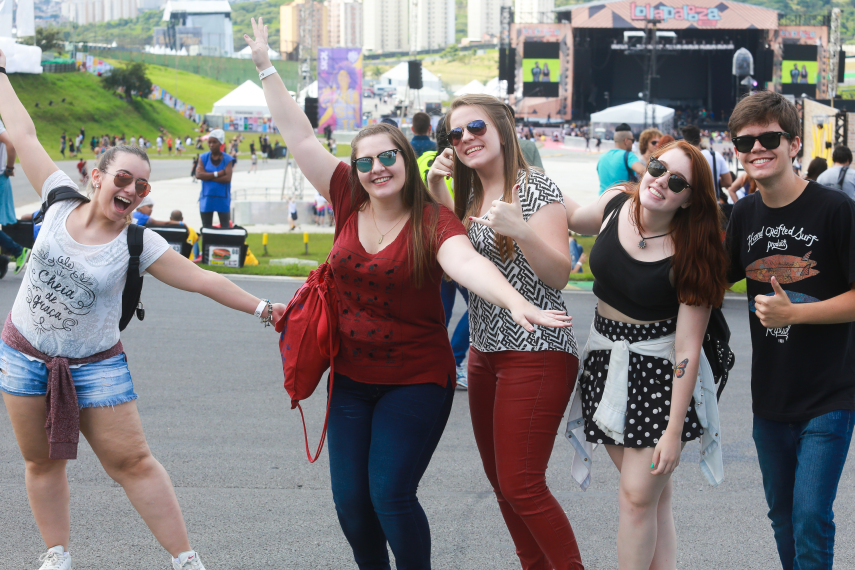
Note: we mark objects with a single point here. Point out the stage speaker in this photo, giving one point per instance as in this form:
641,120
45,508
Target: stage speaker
414,81
507,67
763,66
311,109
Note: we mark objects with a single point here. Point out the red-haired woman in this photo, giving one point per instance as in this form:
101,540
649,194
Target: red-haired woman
646,388
519,384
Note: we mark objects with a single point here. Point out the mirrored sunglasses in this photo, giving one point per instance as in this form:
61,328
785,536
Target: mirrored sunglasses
124,179
475,128
386,158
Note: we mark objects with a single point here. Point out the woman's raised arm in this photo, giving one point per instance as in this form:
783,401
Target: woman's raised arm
314,160
34,158
587,220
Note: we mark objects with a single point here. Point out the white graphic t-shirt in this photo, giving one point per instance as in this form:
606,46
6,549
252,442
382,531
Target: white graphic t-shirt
70,300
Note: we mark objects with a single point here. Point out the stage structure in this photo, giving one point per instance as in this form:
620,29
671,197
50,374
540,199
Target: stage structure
677,53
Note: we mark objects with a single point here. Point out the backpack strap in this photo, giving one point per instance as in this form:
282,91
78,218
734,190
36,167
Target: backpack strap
58,194
134,282
715,173
631,177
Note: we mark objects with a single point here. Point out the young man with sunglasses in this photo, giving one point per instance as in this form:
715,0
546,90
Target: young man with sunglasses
794,242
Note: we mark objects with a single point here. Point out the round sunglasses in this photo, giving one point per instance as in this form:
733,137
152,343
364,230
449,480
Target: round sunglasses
769,140
124,179
387,158
676,183
475,128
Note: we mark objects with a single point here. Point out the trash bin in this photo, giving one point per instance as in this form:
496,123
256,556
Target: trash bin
176,236
226,248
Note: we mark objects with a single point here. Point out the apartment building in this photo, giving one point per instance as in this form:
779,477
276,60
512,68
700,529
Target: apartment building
345,22
484,18
534,11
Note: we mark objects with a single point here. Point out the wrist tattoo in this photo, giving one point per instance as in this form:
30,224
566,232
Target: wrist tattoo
680,368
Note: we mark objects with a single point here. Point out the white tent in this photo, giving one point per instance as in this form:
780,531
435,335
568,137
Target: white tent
474,87
636,115
399,74
21,58
247,99
496,88
310,91
246,53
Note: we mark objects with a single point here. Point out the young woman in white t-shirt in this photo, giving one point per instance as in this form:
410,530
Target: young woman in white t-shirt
69,307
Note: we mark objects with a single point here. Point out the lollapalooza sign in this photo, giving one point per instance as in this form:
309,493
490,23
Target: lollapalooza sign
702,16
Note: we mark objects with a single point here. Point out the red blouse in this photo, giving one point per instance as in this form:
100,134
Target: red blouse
391,331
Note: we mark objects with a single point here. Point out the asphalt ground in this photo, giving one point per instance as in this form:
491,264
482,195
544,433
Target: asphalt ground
217,417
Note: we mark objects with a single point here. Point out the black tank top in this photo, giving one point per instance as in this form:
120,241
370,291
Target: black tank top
641,290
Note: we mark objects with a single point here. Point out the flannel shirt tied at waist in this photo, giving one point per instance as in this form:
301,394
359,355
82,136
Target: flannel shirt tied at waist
611,411
63,414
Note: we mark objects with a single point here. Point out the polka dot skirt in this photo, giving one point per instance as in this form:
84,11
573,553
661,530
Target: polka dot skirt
648,405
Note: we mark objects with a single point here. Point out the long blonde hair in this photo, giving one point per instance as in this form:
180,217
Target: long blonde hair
468,191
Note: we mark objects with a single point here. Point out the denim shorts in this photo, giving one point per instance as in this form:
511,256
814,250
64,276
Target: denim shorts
105,383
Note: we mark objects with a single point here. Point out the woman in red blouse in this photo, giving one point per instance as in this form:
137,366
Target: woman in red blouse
395,370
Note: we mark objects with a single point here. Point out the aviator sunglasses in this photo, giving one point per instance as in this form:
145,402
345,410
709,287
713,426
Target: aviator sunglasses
476,128
124,179
386,158
770,141
676,183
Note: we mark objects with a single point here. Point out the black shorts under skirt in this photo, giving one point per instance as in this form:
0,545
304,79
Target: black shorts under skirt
648,405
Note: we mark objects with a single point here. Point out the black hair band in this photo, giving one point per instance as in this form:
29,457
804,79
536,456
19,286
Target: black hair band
3,70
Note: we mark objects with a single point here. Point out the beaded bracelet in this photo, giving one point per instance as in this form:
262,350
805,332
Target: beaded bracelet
268,320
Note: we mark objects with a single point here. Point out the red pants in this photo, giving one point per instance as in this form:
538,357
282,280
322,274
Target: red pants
517,401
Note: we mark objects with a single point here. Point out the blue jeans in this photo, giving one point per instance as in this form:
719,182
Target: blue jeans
801,463
9,245
460,338
381,439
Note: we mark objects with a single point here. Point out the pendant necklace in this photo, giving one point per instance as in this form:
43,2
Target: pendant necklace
642,244
382,235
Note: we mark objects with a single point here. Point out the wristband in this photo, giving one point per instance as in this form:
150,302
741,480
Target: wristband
259,310
3,70
267,72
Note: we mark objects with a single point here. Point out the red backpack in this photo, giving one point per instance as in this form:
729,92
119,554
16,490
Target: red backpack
308,342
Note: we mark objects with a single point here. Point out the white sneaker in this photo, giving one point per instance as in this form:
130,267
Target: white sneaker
55,559
188,561
462,379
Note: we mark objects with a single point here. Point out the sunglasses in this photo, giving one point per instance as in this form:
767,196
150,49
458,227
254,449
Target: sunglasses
654,142
676,183
769,141
124,179
386,158
475,128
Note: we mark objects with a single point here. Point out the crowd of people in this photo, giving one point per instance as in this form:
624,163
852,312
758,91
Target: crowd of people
416,222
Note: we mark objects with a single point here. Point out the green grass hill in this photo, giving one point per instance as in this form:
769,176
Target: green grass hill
197,90
89,105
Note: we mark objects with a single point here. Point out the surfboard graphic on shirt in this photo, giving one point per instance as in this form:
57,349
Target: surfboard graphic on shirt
795,298
784,268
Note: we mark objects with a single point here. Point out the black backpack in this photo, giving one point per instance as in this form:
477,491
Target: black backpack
716,346
133,284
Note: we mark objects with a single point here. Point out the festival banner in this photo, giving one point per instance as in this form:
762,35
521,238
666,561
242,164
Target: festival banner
340,88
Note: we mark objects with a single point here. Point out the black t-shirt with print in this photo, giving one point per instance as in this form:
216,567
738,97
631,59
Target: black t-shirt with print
798,372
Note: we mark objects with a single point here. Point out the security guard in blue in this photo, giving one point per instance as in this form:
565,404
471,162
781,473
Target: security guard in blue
215,172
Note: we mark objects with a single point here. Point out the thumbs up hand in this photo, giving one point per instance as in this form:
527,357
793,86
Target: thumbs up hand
506,218
775,311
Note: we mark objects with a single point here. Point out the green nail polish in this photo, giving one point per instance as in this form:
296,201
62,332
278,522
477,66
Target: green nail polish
652,465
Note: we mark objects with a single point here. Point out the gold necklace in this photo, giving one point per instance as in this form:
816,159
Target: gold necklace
382,235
